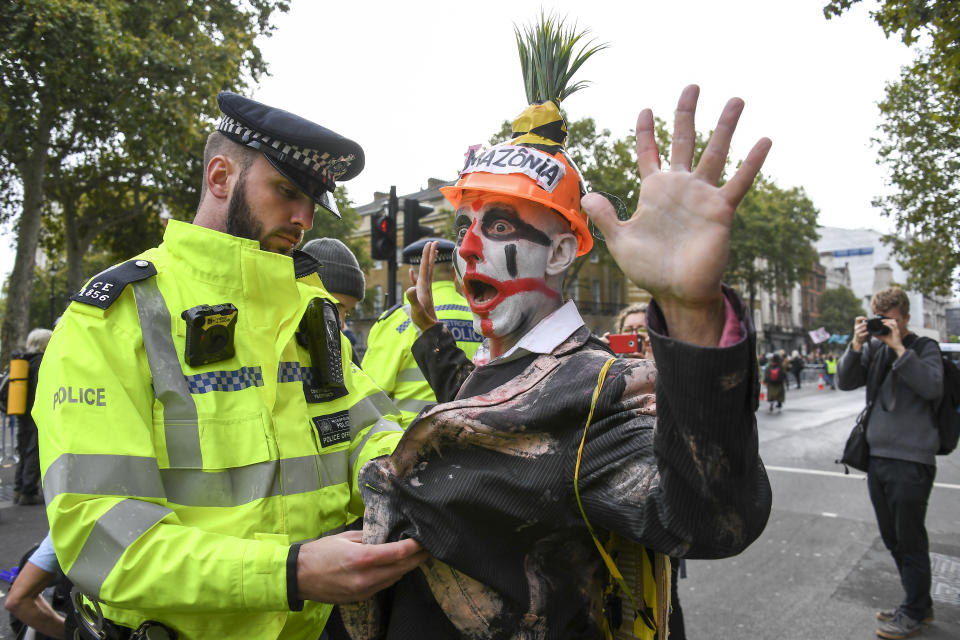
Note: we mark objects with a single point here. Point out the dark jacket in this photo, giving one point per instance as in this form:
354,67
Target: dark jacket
902,424
485,483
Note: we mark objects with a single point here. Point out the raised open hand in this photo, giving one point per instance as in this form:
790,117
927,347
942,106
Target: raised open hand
420,295
677,242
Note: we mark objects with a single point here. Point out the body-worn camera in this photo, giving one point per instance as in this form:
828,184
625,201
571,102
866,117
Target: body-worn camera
875,326
320,334
209,333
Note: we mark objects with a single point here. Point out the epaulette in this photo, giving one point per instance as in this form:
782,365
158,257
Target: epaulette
103,289
386,314
304,264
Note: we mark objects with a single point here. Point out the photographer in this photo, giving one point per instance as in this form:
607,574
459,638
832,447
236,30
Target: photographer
904,380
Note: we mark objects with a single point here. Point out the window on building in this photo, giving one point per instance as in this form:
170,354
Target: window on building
615,294
575,290
594,256
595,295
377,300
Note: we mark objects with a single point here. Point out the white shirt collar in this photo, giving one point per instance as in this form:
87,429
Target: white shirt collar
546,336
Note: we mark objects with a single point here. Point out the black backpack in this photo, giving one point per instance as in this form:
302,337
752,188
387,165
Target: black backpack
947,413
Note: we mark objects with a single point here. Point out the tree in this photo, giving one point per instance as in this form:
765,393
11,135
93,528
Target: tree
920,145
85,82
921,150
838,309
771,240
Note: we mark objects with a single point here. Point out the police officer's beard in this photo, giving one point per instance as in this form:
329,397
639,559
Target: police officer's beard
240,220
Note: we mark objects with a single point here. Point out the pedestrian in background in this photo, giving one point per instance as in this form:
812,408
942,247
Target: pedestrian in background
904,379
796,366
26,482
830,367
775,377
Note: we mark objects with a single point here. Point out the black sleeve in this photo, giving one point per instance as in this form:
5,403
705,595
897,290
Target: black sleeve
689,482
443,363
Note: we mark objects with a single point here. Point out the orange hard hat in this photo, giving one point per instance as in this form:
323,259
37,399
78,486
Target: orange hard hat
530,166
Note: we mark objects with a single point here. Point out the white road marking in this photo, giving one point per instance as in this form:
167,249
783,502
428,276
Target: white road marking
852,476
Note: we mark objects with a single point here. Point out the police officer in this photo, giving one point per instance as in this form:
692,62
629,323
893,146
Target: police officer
388,359
201,425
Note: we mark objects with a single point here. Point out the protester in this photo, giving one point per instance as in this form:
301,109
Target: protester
388,359
201,425
340,272
796,366
904,380
25,599
487,482
775,377
26,479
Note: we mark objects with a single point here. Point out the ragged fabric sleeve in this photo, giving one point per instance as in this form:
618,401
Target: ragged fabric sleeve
443,363
688,482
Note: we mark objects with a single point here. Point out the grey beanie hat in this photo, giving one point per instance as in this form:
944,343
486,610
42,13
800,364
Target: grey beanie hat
339,269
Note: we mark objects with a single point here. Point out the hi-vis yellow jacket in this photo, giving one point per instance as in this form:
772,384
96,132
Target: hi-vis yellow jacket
389,360
174,492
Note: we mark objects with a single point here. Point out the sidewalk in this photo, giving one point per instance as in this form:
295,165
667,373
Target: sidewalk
20,529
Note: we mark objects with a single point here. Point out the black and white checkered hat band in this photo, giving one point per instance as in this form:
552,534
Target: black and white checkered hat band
321,164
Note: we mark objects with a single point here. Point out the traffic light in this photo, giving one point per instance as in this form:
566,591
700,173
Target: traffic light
412,212
383,230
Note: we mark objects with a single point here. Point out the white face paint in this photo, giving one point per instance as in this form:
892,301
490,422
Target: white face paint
504,245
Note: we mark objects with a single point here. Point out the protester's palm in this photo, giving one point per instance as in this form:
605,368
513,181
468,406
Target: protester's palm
677,242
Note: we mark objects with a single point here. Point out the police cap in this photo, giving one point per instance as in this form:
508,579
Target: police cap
414,251
310,156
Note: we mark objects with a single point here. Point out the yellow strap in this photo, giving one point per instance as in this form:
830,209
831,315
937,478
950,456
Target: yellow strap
611,565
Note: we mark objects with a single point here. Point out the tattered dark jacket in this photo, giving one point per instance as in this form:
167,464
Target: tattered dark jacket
485,484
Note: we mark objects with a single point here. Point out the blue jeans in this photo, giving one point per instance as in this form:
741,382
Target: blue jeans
899,490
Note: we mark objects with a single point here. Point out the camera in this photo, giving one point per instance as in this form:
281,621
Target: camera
625,342
875,326
209,333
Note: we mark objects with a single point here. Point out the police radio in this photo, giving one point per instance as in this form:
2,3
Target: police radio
320,334
209,333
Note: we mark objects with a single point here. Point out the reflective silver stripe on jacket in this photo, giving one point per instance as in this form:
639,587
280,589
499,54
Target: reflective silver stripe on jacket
412,405
169,385
139,477
104,475
369,410
113,532
411,375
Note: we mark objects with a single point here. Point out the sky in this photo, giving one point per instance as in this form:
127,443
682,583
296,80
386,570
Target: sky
416,83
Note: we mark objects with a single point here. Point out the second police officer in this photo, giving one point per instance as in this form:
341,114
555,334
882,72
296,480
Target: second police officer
202,425
389,360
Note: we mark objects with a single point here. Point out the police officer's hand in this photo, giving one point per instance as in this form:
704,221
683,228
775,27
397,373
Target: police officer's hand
677,242
340,569
860,333
420,295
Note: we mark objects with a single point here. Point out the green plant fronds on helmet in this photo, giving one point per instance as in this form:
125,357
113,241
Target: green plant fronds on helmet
548,60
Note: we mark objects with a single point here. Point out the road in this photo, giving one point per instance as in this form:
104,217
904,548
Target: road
819,570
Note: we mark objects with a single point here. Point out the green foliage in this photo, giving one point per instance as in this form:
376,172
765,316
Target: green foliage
104,105
912,19
326,225
548,60
771,240
921,150
838,310
920,146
